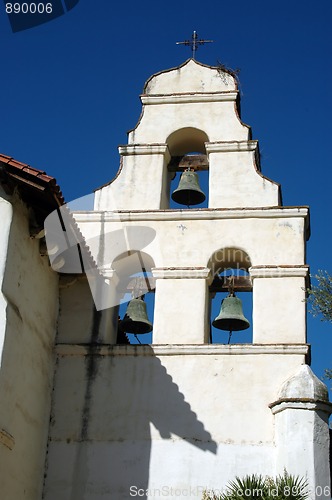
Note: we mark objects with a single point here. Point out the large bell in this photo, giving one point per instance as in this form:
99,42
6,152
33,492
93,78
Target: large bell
188,191
136,319
231,316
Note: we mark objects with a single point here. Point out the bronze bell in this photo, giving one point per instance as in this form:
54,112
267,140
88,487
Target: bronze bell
136,319
188,191
231,316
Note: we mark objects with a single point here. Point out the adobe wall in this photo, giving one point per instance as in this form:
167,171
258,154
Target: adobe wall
129,418
29,308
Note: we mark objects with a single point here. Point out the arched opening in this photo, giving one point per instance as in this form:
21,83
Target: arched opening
187,139
188,154
135,283
228,324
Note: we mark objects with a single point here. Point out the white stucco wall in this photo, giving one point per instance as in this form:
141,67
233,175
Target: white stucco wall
79,322
234,178
6,215
271,238
182,413
199,108
190,77
279,308
29,309
164,416
303,444
301,430
181,321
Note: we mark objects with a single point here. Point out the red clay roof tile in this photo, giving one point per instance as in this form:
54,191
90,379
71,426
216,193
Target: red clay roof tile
31,181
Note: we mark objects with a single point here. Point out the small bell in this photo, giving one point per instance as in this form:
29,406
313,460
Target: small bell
136,319
231,316
188,191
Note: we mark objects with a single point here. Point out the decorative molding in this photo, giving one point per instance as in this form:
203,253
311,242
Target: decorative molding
279,271
144,149
195,97
192,214
300,404
7,439
230,146
181,272
181,349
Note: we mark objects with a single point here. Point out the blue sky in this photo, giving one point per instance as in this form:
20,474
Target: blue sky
70,87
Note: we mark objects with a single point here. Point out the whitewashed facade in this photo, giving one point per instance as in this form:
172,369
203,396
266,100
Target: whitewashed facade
29,311
180,415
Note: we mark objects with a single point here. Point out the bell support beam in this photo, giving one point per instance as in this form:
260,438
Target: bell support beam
196,162
239,283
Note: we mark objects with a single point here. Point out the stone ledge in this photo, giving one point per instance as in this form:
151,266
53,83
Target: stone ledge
180,349
230,146
144,149
301,271
185,97
300,404
192,214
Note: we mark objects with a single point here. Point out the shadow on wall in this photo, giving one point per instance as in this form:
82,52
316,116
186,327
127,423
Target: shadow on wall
100,442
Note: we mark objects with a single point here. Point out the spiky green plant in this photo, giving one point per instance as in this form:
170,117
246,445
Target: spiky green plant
254,487
291,487
248,488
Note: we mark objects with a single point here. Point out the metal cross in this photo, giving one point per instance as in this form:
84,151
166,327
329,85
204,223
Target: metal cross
194,43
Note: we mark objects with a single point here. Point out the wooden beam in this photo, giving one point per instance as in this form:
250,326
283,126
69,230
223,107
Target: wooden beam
241,284
196,162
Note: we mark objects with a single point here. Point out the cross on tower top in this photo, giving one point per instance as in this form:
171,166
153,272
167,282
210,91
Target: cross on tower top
194,43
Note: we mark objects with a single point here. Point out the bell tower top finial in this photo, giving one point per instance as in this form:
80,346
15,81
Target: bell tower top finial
194,43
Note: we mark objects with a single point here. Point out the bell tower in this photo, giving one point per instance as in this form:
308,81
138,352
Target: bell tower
184,413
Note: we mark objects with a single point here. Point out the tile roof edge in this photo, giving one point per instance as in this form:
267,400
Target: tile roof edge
25,172
21,172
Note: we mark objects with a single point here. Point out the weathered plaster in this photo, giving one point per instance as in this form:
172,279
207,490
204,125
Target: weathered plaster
29,291
205,118
200,415
6,215
183,413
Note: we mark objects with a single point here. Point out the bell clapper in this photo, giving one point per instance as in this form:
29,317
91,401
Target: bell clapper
137,292
138,340
230,294
189,170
